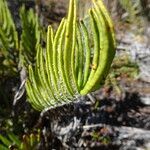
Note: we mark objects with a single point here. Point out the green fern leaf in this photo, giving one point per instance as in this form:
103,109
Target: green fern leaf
30,36
5,141
63,73
8,37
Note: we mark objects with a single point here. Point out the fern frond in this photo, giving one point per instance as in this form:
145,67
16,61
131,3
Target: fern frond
63,72
30,36
8,34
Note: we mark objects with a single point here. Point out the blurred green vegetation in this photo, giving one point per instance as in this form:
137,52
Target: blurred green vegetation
122,68
14,142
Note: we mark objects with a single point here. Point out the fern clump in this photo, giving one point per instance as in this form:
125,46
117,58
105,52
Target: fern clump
71,65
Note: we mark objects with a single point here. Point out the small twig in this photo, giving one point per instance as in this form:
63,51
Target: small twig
19,93
92,98
86,127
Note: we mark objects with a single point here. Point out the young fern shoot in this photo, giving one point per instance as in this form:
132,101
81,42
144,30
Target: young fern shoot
71,67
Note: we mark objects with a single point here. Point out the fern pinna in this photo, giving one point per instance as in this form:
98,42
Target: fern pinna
72,64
